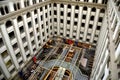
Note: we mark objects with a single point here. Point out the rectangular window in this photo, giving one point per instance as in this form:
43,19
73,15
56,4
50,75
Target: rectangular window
90,25
55,12
61,13
67,35
74,36
75,23
43,34
69,14
100,19
76,15
55,32
88,40
98,27
68,21
61,33
84,16
55,19
83,24
61,20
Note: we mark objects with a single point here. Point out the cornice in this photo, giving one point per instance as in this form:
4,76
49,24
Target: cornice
38,5
22,11
80,3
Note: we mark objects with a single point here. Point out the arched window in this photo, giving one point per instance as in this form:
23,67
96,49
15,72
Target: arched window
26,3
85,0
61,5
92,18
84,8
55,5
102,10
18,5
35,11
19,18
2,11
15,7
34,1
28,15
8,24
93,9
69,6
76,7
6,9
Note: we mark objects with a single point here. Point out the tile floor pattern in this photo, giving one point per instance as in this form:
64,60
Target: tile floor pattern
56,55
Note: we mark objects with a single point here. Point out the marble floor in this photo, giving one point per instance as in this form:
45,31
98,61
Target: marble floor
61,55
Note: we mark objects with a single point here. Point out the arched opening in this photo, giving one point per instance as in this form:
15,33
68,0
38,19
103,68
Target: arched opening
84,8
34,1
69,6
8,24
18,5
6,9
35,11
15,7
28,14
2,11
92,18
19,18
55,5
76,7
102,10
93,9
61,5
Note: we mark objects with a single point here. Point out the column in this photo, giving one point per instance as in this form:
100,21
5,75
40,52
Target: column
34,29
113,23
39,25
99,1
27,34
103,44
49,24
79,22
102,66
72,21
8,45
116,31
58,19
112,15
30,1
44,23
22,3
65,21
87,23
17,33
52,19
117,52
37,1
91,1
101,56
11,6
4,68
82,0
95,25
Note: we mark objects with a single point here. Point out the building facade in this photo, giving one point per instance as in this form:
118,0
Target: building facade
26,25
